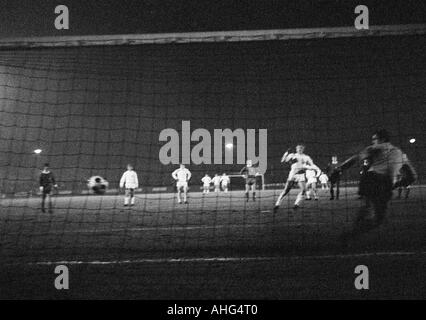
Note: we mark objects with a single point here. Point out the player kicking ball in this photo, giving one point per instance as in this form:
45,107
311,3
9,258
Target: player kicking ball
250,172
47,183
182,176
129,181
300,163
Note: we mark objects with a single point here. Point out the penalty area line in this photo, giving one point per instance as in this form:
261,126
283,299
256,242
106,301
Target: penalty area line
228,259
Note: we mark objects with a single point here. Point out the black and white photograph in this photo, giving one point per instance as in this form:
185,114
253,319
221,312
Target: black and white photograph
212,151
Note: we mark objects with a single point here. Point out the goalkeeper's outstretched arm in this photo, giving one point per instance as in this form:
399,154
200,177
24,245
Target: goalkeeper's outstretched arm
349,162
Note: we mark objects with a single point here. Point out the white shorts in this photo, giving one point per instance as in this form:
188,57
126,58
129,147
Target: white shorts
300,177
224,184
182,184
312,180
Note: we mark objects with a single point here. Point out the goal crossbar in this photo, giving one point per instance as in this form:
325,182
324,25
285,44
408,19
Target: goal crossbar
214,36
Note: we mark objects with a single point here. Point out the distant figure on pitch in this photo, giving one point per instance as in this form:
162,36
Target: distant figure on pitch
47,183
324,181
250,172
130,182
216,183
182,176
206,180
311,184
377,183
406,176
300,163
224,180
334,176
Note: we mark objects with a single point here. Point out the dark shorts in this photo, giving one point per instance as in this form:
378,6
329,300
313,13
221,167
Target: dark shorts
375,186
403,183
99,189
250,180
334,177
47,190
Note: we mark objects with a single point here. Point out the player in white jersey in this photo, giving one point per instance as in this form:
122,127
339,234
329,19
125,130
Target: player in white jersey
385,163
224,180
206,180
311,184
182,176
300,163
216,183
129,181
323,180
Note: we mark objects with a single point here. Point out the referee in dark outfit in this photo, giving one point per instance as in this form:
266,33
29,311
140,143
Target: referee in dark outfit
47,183
376,184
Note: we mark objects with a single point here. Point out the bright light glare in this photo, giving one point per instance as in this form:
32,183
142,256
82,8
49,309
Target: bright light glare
229,145
412,140
37,151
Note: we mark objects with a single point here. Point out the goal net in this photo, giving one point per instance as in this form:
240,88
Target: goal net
92,105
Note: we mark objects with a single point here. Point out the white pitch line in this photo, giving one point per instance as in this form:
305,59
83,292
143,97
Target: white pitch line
171,228
229,259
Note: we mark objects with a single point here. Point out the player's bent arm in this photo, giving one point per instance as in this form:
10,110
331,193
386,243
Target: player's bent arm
122,180
287,157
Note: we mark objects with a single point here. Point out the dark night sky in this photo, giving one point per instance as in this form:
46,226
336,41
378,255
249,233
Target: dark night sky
35,18
95,109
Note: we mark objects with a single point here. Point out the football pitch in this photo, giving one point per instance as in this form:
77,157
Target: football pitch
216,247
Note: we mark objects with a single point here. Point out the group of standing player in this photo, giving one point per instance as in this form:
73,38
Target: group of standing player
220,183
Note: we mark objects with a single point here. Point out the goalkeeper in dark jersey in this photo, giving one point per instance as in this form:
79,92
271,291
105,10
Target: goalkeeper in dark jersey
376,185
47,183
249,172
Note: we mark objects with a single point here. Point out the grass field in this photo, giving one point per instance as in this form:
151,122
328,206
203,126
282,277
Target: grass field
217,247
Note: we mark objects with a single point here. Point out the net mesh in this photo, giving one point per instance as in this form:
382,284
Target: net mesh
92,110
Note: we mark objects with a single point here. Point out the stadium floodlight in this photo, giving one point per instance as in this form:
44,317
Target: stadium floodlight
38,151
229,146
412,140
